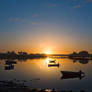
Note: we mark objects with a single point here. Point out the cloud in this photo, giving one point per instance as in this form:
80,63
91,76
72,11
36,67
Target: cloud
17,20
83,1
52,5
80,3
35,15
77,6
89,0
35,23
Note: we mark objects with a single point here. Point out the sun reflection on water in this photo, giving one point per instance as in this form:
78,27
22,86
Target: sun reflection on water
47,60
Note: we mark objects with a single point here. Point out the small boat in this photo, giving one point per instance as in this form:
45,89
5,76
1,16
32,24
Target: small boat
52,61
53,65
70,74
10,67
8,62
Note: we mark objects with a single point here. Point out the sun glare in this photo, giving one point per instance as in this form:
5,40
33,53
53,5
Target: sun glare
48,52
47,60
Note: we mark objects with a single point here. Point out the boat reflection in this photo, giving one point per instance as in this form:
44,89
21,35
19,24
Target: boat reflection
71,75
82,61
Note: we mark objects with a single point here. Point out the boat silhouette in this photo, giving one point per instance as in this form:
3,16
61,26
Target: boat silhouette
52,61
53,65
9,62
70,74
10,67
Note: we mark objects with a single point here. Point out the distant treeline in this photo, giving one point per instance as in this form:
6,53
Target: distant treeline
20,55
25,55
81,55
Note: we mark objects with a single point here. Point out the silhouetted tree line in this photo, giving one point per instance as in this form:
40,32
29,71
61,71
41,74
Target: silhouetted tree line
80,55
20,55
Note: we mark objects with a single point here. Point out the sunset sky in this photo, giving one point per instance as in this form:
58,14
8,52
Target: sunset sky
46,26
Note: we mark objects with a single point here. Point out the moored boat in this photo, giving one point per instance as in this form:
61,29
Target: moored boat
53,65
52,61
10,62
10,67
70,74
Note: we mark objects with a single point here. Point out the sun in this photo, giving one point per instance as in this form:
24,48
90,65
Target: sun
47,52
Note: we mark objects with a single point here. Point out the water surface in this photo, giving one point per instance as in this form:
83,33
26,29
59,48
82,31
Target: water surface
38,75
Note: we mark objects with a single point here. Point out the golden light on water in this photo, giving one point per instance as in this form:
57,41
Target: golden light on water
47,60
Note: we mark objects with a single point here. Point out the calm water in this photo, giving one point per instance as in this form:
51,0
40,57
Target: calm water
43,76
